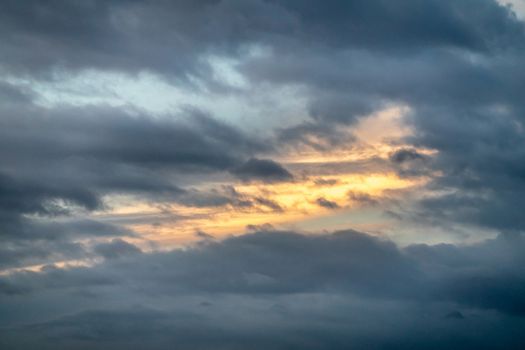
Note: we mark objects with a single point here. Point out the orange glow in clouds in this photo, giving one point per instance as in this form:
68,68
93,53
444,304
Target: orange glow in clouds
286,205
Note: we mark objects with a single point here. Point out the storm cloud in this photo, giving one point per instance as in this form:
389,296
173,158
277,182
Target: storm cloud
282,277
121,225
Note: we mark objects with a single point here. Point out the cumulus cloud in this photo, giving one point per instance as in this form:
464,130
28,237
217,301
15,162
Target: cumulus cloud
282,276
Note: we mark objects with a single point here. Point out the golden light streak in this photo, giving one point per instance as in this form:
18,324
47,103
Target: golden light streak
297,200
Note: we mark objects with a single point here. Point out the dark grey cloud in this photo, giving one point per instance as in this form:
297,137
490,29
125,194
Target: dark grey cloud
169,36
76,155
246,268
325,203
268,203
409,162
226,196
404,155
215,198
29,241
203,235
161,36
318,135
382,25
117,248
111,135
265,170
481,168
23,253
11,94
160,329
59,162
343,287
362,198
347,261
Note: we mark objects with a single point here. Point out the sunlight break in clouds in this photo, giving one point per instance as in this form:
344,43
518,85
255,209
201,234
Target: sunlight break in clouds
312,194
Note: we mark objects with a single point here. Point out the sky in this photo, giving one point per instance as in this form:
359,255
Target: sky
262,174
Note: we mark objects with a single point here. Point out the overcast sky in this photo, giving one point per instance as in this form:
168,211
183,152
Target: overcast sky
262,174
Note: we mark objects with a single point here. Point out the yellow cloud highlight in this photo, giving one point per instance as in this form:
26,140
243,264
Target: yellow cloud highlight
375,135
177,224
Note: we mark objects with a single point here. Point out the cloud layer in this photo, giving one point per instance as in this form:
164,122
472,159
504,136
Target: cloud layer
333,285
123,227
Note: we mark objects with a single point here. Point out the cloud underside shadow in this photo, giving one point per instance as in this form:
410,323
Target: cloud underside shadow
336,283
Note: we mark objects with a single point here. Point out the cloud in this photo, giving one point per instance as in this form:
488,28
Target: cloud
264,227
34,241
458,71
286,281
404,155
203,235
325,182
268,203
103,150
325,203
265,170
117,248
460,80
319,136
66,161
345,261
455,65
226,26
119,35
362,198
